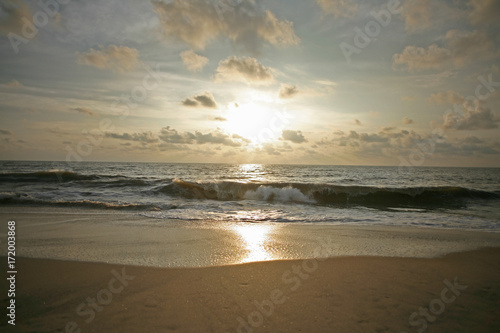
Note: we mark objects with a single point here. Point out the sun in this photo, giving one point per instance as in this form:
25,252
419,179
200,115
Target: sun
253,121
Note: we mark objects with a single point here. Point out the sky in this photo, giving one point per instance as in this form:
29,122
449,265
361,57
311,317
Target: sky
340,82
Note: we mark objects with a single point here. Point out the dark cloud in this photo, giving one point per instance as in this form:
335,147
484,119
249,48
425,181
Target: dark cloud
144,137
373,137
288,91
170,135
293,136
12,16
391,142
219,119
6,132
205,100
85,111
469,117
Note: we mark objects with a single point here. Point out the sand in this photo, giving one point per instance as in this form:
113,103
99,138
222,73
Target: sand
91,271
345,294
131,239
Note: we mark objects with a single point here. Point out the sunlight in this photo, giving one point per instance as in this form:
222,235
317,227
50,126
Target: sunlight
251,172
255,237
252,121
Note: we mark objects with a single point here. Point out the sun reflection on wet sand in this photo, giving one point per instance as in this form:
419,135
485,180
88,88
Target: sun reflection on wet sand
255,238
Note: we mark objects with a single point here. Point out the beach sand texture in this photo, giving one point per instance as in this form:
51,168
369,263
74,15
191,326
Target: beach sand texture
359,289
345,294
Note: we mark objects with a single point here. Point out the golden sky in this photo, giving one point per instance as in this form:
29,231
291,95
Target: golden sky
246,81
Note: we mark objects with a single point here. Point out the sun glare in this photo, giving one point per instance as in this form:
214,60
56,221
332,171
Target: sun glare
255,237
254,122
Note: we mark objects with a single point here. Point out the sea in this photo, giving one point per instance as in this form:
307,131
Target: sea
435,197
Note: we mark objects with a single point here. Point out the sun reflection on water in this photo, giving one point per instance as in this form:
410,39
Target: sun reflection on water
251,172
255,238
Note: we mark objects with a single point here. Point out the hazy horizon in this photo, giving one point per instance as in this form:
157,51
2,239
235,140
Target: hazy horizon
231,163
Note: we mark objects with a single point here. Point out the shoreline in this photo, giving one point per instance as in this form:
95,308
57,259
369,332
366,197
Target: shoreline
341,294
129,239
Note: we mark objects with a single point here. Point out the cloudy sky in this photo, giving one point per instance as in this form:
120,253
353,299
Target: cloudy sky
382,82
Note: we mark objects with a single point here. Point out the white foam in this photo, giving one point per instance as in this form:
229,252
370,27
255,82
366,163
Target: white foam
286,194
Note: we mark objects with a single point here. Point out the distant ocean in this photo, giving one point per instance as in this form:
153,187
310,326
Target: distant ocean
463,198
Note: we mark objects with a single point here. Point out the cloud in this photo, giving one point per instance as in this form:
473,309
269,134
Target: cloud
375,143
219,119
193,61
288,91
448,97
13,84
407,121
469,117
218,138
5,132
85,111
357,122
246,25
269,149
13,16
190,102
391,142
461,48
339,8
472,140
144,137
245,69
468,146
484,12
170,135
116,58
371,137
293,136
206,100
416,58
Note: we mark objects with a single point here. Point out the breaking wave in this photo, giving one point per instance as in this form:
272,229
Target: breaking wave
103,189
331,195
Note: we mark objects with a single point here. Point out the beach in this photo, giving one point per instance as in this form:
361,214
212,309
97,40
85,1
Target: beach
98,271
344,294
248,166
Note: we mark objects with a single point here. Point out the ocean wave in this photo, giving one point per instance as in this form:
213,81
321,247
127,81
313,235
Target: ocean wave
43,176
22,199
330,195
62,176
143,189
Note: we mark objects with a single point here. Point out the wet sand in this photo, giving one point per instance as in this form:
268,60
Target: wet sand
131,239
